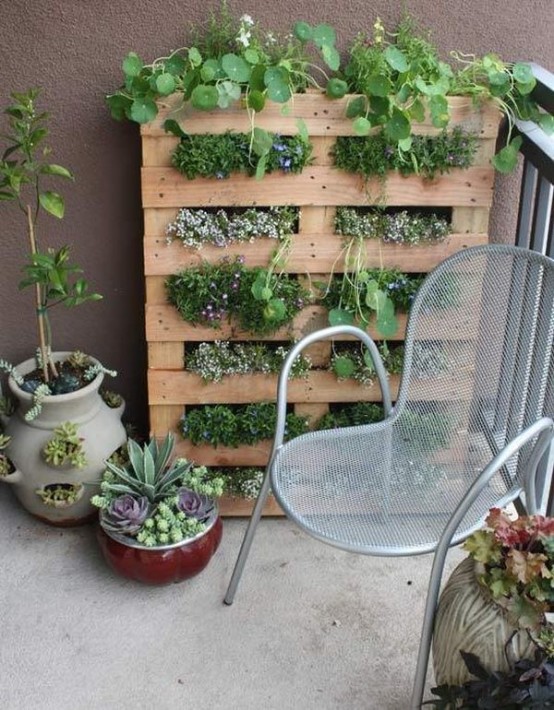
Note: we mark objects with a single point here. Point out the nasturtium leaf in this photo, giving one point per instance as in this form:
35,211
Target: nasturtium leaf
438,106
223,99
396,59
422,86
279,91
171,126
232,90
274,74
303,130
343,366
398,126
338,316
361,126
527,87
195,58
204,97
261,141
275,310
255,100
266,293
368,361
417,111
371,284
190,81
58,170
331,57
132,64
210,70
257,78
380,105
356,107
379,85
505,160
257,288
324,35
405,144
251,56
52,203
522,73
165,84
497,78
387,324
336,88
302,31
119,107
143,110
236,68
261,167
404,93
175,64
546,122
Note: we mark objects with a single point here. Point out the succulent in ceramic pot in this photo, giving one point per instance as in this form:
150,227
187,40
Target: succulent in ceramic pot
158,518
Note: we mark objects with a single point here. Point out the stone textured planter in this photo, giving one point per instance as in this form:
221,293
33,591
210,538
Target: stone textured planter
165,564
469,620
101,430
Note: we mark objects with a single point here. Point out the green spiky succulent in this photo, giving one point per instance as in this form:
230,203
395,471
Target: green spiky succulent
112,399
65,447
79,359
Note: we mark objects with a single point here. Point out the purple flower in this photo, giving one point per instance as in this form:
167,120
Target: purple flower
220,175
194,505
280,147
389,152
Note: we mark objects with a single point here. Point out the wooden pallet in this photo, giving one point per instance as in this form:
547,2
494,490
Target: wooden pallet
316,250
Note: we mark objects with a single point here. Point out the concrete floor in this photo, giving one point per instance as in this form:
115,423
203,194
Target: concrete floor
311,628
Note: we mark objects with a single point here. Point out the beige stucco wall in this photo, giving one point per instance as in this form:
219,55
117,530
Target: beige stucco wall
74,48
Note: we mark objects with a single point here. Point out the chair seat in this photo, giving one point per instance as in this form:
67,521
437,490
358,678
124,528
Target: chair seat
367,490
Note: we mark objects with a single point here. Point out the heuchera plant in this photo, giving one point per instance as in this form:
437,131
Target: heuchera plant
518,556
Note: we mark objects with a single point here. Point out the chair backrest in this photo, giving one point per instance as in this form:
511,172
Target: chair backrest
479,361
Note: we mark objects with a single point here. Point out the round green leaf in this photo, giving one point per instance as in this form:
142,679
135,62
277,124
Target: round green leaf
143,110
527,88
266,293
52,203
171,126
132,64
204,97
257,288
195,58
235,67
324,36
387,325
275,310
522,73
498,78
255,100
362,126
396,59
417,111
251,56
356,107
379,85
261,141
505,160
438,106
398,126
274,73
405,144
336,88
546,122
175,65
338,316
343,366
331,57
210,70
302,31
165,84
279,91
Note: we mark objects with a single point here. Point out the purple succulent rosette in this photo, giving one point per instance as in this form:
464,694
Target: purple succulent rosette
194,505
126,514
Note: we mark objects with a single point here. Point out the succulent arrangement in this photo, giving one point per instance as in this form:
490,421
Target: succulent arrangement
153,501
65,448
197,227
60,495
518,559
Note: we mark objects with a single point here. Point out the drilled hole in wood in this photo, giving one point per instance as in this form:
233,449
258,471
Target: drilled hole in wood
161,194
325,111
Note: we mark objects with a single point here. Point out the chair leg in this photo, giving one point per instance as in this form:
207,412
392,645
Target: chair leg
427,628
247,541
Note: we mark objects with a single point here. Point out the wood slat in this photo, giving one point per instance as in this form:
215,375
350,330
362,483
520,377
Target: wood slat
321,115
230,507
166,356
310,252
222,455
164,419
318,185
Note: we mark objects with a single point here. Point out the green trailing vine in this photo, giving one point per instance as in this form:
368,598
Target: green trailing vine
220,155
261,300
65,447
222,425
215,360
400,227
197,227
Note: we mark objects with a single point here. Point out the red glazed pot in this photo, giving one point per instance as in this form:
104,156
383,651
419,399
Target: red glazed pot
164,564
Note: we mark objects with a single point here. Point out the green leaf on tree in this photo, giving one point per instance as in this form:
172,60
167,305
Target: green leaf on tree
52,203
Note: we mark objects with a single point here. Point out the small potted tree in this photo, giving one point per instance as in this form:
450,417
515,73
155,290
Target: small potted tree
58,429
159,522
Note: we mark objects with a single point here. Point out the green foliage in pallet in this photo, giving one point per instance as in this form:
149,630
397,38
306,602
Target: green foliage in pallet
222,425
241,481
375,155
197,227
219,155
346,415
354,362
214,361
401,227
261,300
65,447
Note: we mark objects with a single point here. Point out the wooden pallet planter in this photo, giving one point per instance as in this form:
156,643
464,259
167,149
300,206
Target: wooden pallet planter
316,250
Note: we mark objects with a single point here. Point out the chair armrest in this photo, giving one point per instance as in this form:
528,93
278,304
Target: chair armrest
314,337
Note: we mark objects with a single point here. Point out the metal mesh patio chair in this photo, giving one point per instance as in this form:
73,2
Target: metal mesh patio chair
470,429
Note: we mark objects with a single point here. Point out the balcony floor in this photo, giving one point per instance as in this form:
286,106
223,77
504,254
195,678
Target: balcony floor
311,628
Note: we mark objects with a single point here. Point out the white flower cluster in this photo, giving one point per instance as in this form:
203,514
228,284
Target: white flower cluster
196,227
397,228
429,360
214,361
243,482
245,30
